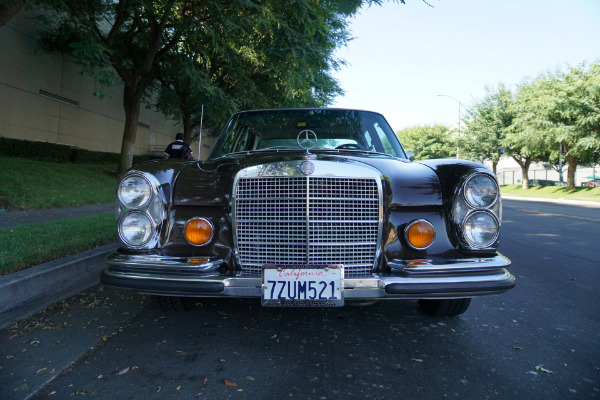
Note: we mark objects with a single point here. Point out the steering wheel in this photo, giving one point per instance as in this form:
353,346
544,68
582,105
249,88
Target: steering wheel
348,146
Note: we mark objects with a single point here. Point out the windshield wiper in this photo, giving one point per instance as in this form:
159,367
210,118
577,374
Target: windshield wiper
356,151
265,149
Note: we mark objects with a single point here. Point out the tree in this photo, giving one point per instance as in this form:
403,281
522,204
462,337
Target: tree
488,122
427,142
525,140
289,47
273,55
129,37
562,110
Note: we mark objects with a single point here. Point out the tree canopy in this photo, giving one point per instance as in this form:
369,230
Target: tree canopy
427,142
488,122
228,54
554,115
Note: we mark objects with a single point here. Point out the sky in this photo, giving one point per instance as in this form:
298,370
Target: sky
403,56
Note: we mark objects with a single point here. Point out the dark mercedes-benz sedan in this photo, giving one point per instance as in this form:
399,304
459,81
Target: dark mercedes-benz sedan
310,207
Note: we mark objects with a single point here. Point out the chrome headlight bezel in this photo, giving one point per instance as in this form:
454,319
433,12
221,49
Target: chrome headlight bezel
143,190
154,208
125,237
467,233
463,207
470,197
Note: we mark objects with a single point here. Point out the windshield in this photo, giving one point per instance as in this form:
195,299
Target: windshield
344,130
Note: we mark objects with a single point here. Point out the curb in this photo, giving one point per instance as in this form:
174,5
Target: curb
25,292
583,203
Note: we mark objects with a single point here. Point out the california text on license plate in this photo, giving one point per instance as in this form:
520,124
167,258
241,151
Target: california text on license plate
303,286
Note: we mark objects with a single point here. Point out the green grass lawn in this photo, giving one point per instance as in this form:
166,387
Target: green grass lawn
29,184
553,192
25,246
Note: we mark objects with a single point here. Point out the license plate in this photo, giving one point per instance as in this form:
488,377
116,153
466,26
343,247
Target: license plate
303,286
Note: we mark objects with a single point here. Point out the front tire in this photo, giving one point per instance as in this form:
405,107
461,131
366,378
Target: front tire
445,307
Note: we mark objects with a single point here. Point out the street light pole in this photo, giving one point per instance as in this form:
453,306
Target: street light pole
458,101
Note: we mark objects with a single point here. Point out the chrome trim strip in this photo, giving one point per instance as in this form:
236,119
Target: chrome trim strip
444,266
363,288
163,263
445,274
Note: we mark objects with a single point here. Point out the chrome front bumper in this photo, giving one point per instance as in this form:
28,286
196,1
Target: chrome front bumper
408,279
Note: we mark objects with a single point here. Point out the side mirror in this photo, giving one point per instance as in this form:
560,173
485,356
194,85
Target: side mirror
410,155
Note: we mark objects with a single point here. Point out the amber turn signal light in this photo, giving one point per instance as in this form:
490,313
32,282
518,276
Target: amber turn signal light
198,231
420,234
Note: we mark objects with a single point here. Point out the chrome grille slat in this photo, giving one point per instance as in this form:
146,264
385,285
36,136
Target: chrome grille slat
314,220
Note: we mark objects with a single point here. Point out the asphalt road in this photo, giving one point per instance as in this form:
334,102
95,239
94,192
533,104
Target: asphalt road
539,341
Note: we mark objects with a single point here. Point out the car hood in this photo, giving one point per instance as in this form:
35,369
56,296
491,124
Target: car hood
210,183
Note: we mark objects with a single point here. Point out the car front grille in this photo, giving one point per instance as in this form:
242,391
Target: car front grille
307,220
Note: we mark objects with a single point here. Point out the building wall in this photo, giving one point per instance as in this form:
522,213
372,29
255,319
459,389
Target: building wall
47,98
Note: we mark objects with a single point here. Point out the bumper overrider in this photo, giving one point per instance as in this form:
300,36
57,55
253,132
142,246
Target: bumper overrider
407,279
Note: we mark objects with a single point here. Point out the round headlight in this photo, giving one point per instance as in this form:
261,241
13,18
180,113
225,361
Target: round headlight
481,229
136,229
135,191
481,191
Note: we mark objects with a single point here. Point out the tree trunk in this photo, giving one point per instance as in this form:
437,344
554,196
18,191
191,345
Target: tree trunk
524,163
525,174
494,167
572,163
131,104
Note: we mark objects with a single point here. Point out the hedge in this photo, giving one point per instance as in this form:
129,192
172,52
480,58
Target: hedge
60,153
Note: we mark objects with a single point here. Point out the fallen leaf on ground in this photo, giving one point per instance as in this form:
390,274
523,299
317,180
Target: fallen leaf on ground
539,368
416,359
230,383
250,378
123,371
